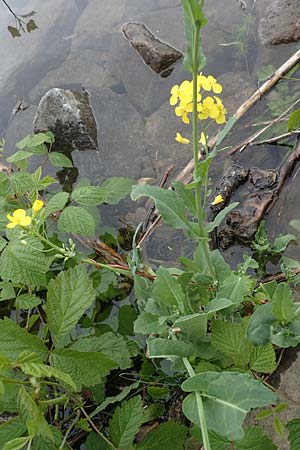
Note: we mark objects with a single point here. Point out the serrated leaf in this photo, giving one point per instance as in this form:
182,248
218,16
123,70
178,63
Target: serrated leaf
89,195
255,439
39,370
126,422
69,295
24,263
3,243
19,156
169,435
109,344
22,182
293,427
76,220
227,397
229,338
16,444
11,429
283,305
59,160
115,189
85,368
56,203
27,301
14,340
263,359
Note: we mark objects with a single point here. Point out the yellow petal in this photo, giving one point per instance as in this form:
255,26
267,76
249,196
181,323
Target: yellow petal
11,225
11,218
25,221
203,139
37,206
219,199
220,119
19,214
217,88
185,118
173,100
182,140
174,90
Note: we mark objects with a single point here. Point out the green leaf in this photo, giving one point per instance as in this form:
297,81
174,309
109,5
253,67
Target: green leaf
69,295
293,427
235,287
117,398
283,305
16,444
3,243
56,203
220,217
11,429
76,220
115,189
229,338
22,182
217,304
294,120
164,348
167,202
19,156
265,72
260,325
169,435
85,368
14,340
263,359
89,195
39,370
168,291
255,439
112,346
126,317
281,242
24,263
126,422
227,398
59,160
194,325
148,323
278,426
27,301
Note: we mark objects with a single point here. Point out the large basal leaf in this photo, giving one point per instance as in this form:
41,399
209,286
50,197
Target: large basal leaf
229,338
194,326
69,295
168,204
255,439
14,340
227,398
110,345
164,348
260,326
88,195
24,263
235,288
126,422
11,429
148,323
168,291
76,220
85,368
169,435
115,189
293,427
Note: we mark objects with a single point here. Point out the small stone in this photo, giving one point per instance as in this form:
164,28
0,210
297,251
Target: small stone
69,116
157,54
148,172
280,23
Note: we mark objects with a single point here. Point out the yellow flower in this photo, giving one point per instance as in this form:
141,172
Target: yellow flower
208,109
37,206
203,139
181,139
215,86
209,83
181,111
174,95
219,199
222,111
18,218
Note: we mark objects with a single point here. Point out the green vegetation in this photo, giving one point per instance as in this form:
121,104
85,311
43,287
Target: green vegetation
177,364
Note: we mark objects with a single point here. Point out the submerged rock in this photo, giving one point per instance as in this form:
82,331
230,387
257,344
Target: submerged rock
280,23
157,54
69,116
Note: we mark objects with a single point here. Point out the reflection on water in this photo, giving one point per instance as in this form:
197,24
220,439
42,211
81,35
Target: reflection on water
79,42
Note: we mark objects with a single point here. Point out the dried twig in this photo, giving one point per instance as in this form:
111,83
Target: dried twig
275,139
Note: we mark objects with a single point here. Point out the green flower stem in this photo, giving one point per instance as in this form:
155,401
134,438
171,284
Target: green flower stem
200,408
206,175
203,242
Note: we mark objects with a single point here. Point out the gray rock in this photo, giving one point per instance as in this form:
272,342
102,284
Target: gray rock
157,54
281,22
69,116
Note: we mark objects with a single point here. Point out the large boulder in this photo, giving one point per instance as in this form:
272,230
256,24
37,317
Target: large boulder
280,22
69,116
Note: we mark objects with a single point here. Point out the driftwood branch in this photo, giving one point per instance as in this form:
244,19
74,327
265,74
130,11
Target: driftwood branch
186,175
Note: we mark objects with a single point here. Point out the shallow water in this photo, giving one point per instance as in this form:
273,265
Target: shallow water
79,42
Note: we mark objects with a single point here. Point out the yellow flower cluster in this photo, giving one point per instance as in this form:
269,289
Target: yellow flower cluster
19,216
209,107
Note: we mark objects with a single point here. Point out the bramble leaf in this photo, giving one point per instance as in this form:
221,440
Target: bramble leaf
169,435
76,220
126,422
